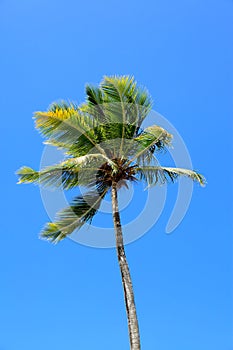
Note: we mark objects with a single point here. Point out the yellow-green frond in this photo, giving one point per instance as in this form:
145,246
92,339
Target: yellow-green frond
27,175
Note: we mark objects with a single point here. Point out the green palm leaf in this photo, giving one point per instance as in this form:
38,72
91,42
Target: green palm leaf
124,100
94,105
81,171
94,95
153,138
81,211
118,89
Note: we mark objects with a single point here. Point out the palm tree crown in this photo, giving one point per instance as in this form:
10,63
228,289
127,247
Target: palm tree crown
104,143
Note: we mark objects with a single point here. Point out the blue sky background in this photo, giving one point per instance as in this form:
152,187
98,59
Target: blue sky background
70,296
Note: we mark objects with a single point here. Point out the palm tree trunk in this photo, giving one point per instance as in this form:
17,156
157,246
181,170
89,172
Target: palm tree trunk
125,276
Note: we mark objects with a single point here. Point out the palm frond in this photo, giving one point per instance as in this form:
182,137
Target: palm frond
81,171
149,140
118,88
58,120
27,175
121,105
94,106
78,133
154,136
159,174
125,99
94,95
81,211
47,121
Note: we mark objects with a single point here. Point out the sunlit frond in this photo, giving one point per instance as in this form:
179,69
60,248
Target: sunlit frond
154,136
151,139
78,133
81,171
56,114
159,174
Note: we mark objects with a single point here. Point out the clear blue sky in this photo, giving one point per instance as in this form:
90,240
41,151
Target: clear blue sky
69,296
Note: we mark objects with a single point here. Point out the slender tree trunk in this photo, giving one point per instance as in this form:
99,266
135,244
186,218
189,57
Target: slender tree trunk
125,276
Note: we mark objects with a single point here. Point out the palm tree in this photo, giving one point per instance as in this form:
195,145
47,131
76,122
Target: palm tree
106,148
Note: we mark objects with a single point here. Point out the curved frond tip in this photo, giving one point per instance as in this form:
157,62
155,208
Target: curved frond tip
154,175
27,175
